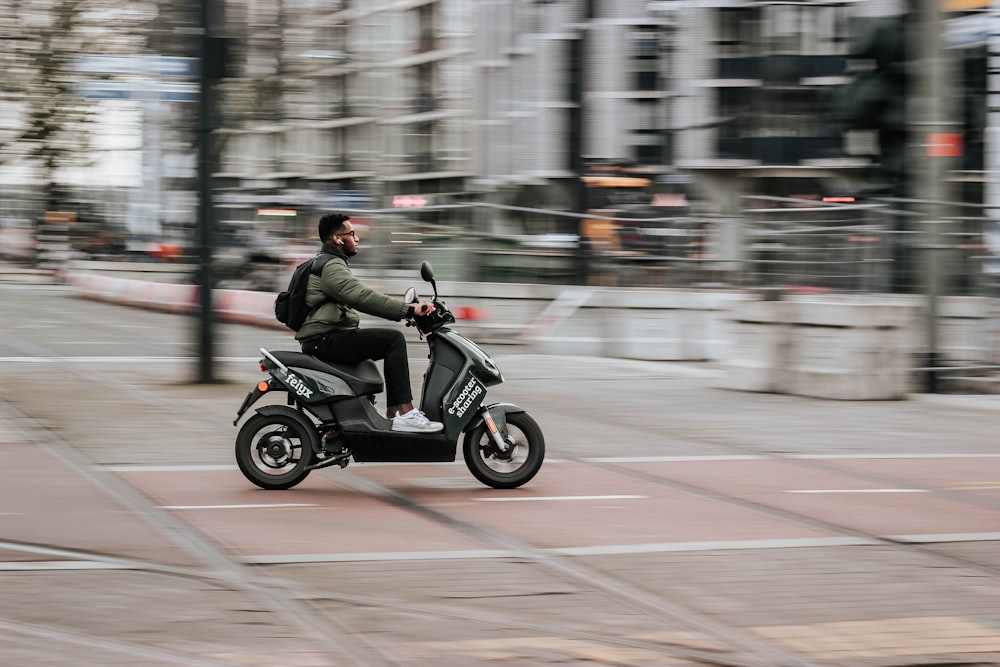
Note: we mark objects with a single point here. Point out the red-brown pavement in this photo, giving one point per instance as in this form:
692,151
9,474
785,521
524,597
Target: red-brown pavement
572,505
46,501
594,509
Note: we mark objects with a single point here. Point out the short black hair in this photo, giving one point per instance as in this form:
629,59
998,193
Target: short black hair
331,223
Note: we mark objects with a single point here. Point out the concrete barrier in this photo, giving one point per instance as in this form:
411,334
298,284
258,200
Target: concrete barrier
856,347
848,349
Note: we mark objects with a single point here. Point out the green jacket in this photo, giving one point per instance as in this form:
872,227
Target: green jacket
344,295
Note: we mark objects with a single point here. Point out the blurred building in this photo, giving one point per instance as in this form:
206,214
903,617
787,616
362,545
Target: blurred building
437,97
350,101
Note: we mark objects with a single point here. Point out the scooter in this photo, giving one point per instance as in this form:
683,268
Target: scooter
329,415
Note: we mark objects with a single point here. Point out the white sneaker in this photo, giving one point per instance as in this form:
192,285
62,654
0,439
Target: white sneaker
415,421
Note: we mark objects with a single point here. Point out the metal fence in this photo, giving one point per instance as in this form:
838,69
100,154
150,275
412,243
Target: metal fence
875,246
878,246
497,243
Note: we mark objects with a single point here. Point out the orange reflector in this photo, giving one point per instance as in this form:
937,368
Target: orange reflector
262,385
489,422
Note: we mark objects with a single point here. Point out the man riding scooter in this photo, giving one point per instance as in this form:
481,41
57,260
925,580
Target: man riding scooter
331,332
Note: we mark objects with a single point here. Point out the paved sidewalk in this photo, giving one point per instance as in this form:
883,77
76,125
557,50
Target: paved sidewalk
94,572
173,606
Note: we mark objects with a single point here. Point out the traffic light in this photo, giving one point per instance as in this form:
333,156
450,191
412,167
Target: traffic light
876,97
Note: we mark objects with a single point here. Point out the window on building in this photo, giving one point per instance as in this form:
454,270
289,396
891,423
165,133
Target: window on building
739,29
649,151
427,29
647,115
418,87
418,146
644,52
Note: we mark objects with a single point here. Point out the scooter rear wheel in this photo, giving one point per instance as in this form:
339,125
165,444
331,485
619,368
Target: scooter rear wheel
505,469
273,451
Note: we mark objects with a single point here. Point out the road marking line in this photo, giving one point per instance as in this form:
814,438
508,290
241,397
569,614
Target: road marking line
761,457
235,507
18,566
602,459
857,491
602,550
514,500
947,537
138,467
114,360
976,486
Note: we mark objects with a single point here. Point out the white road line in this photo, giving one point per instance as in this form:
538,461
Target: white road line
128,467
760,457
114,360
857,491
608,459
616,549
609,549
235,507
947,537
672,459
21,566
531,498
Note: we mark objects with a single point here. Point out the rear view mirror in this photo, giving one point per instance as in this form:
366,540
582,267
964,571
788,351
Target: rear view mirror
410,296
427,272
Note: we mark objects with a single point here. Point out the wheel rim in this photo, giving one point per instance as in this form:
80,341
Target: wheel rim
505,462
277,450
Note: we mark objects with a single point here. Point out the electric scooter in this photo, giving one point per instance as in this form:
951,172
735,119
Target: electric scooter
329,416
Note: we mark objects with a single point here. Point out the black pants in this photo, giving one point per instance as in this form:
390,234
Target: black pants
351,346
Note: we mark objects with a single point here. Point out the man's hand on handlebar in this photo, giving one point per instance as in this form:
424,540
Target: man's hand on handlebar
423,308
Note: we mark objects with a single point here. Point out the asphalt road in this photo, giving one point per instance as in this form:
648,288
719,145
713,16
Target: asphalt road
672,523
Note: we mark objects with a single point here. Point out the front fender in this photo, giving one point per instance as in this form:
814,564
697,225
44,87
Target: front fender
499,412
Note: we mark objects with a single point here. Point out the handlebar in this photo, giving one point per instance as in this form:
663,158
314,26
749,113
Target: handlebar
439,318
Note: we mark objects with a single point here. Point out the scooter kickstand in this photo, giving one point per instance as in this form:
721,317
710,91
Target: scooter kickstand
341,459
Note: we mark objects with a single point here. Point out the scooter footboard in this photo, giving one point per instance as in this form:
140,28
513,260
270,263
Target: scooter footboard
399,447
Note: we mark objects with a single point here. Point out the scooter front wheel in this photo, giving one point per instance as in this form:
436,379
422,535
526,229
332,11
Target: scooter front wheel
273,451
511,468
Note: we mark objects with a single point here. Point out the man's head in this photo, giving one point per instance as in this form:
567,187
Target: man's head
335,229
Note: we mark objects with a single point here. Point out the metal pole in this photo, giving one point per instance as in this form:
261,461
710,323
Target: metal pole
206,237
992,194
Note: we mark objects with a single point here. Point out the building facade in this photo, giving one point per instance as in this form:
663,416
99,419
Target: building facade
442,97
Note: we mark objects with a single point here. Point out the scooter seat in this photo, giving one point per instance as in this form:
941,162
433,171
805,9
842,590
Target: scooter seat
363,377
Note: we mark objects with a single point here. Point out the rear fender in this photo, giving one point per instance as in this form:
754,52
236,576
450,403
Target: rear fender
254,395
292,413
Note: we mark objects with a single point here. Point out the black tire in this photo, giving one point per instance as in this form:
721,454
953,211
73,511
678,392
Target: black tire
510,469
273,451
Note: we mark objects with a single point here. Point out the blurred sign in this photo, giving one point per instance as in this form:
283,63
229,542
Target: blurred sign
968,31
962,5
409,201
60,216
137,90
355,199
138,64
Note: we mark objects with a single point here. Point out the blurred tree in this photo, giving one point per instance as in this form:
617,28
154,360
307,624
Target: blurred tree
47,124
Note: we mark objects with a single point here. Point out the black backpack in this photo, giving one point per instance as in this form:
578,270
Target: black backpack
290,305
